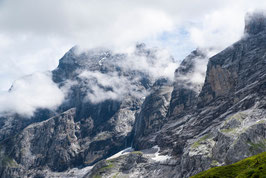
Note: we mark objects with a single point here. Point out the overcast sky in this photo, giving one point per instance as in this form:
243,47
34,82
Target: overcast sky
34,34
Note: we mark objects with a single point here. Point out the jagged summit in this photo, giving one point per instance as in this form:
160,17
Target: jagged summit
255,23
76,59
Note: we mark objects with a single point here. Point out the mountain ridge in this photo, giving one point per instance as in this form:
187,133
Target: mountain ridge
178,129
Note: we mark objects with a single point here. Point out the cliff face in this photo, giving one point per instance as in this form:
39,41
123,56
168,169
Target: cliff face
205,118
168,100
152,115
222,123
189,78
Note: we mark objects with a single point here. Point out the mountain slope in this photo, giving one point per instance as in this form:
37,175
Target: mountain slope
254,166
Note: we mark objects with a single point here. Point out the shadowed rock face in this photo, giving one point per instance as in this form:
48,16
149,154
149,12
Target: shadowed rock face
153,114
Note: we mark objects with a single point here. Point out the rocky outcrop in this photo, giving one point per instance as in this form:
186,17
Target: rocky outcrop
38,144
145,163
168,99
189,78
152,115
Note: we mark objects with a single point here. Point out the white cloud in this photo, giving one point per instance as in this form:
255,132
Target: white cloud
113,85
30,93
35,34
25,54
224,26
195,77
161,65
218,29
104,86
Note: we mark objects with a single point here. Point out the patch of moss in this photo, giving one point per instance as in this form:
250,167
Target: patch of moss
137,152
238,116
110,161
261,122
230,130
252,167
198,142
8,162
109,166
260,146
214,163
115,176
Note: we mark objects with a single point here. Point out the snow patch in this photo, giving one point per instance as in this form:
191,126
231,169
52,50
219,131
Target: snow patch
123,152
159,158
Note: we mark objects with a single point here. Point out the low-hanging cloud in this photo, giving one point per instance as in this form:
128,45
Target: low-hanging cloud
105,86
35,34
195,77
118,85
30,93
160,65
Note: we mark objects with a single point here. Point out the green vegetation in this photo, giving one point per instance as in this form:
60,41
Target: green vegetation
257,147
252,167
238,116
8,162
115,176
137,152
109,165
228,130
261,122
5,160
214,163
197,143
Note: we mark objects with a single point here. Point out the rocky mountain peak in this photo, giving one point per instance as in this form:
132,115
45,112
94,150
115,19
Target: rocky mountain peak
77,59
188,65
255,23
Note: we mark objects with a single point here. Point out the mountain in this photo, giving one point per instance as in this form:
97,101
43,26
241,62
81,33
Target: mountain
221,124
94,122
118,120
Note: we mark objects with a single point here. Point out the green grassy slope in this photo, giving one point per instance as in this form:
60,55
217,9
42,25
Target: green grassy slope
253,167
